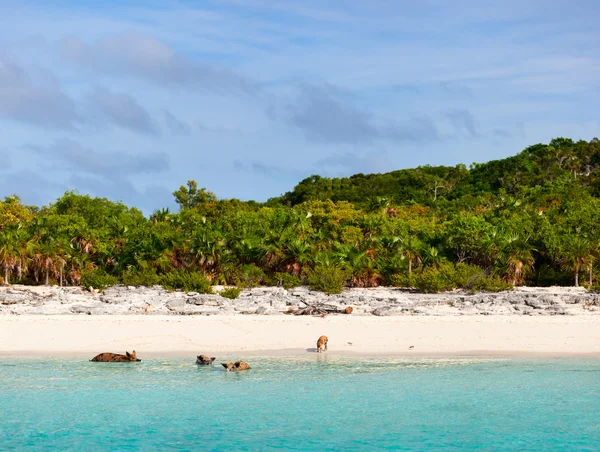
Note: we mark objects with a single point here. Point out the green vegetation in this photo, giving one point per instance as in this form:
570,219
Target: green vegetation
327,278
98,279
529,219
250,275
186,281
448,277
231,292
142,276
285,280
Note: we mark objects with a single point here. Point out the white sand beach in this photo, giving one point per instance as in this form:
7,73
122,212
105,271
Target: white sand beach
272,335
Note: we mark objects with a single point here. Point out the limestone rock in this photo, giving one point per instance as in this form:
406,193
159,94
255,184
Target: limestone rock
379,301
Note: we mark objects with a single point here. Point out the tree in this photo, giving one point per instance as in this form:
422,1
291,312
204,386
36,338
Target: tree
13,212
295,255
412,249
432,257
9,252
517,258
190,197
577,254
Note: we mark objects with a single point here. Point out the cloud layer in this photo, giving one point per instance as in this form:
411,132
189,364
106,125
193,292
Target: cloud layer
147,58
34,97
71,155
248,97
122,110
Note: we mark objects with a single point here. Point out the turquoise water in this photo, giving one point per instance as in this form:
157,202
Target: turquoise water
313,402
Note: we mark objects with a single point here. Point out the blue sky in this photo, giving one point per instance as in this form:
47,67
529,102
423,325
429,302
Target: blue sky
129,100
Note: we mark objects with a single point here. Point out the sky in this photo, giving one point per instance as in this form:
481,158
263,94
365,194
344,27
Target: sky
128,100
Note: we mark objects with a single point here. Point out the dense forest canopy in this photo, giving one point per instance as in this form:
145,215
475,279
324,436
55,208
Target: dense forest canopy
529,219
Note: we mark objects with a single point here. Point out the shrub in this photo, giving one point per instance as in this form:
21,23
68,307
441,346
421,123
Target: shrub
329,279
26,282
287,281
440,279
98,279
448,277
187,281
140,277
476,279
490,284
594,287
227,273
402,280
250,276
231,292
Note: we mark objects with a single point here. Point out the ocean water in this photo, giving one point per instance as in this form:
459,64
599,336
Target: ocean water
312,402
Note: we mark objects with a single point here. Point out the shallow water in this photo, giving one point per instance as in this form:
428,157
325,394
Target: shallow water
313,402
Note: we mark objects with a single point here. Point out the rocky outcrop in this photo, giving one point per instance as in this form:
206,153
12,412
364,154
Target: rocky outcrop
381,301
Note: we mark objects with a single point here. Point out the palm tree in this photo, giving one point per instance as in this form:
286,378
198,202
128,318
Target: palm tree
362,268
327,259
160,215
251,250
207,248
22,240
273,244
377,204
411,247
490,247
593,252
44,260
78,264
9,251
295,255
370,225
432,256
61,259
517,257
44,249
577,254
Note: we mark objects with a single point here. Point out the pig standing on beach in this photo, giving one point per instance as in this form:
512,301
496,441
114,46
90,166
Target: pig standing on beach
322,344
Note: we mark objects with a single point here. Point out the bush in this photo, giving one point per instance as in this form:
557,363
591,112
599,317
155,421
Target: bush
490,284
329,279
402,280
231,292
140,277
26,282
287,281
433,280
187,281
98,279
448,277
250,276
476,279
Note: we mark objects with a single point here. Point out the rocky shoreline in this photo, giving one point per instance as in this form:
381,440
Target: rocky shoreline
381,301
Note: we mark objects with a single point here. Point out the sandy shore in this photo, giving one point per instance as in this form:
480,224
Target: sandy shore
270,335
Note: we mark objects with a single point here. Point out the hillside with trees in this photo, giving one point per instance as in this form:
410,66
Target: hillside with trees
529,219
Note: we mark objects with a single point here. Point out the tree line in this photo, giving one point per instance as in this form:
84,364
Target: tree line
528,219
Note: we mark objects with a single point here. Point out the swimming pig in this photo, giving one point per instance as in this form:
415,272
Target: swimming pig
115,357
236,366
205,360
322,344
